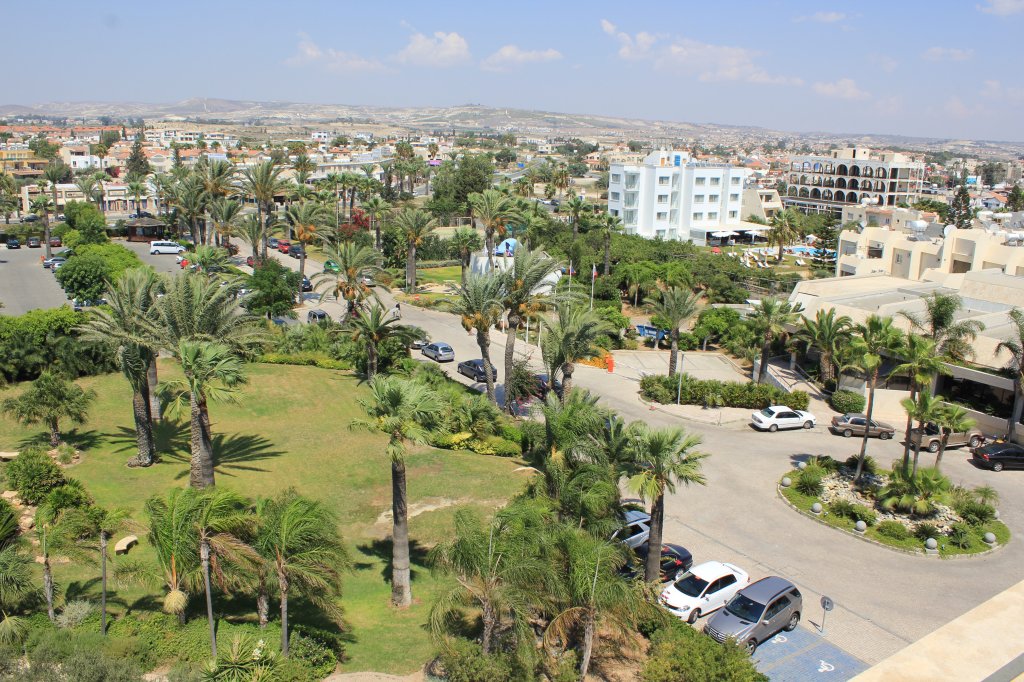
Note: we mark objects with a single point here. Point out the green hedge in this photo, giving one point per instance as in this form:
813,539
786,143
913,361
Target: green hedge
847,401
310,359
662,389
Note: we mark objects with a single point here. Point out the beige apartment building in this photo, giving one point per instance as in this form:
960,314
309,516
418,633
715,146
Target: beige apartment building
851,176
762,203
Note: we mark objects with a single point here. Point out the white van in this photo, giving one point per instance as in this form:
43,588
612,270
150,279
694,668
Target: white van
165,248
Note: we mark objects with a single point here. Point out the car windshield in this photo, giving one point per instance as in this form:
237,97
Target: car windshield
745,608
767,412
691,585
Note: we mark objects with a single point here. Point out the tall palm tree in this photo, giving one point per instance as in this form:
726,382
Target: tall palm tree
495,210
306,219
571,336
784,229
61,537
770,319
951,419
298,539
926,409
1014,345
675,305
524,290
873,341
126,322
357,265
827,334
953,339
191,199
55,172
576,207
138,189
661,459
225,214
922,363
262,183
162,186
638,277
303,167
610,224
108,523
49,400
465,240
415,225
251,230
172,534
479,305
43,206
334,182
377,210
398,409
373,328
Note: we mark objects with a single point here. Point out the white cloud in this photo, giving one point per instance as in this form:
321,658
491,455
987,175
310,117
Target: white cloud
947,54
844,88
884,62
955,108
307,53
513,55
440,50
1002,8
630,47
823,17
996,91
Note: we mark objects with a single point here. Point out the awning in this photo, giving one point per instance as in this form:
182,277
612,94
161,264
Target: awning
764,228
727,233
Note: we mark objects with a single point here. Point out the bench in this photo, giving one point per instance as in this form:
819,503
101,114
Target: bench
125,544
8,456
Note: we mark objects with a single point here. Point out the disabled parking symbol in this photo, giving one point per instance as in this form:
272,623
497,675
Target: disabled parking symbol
825,667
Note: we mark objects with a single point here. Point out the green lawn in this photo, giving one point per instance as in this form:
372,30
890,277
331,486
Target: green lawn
290,428
451,273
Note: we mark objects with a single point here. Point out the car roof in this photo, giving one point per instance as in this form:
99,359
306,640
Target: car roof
713,570
442,344
766,589
779,408
632,515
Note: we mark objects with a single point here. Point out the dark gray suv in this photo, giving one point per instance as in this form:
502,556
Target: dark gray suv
757,613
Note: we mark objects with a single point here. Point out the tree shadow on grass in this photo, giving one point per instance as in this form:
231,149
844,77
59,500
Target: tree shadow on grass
231,453
381,549
81,440
169,436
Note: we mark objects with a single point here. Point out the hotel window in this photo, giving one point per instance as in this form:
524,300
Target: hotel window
698,216
698,199
715,182
734,181
713,216
662,198
700,181
732,214
616,177
614,196
663,180
734,197
714,198
663,215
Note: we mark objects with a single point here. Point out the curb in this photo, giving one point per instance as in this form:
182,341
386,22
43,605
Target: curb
654,406
863,538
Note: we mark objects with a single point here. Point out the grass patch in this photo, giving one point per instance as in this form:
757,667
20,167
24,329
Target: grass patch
452,273
290,429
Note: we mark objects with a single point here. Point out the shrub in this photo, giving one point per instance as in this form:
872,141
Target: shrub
73,614
841,508
34,474
870,465
680,652
664,389
974,513
809,483
859,512
823,462
925,530
894,530
844,401
495,445
511,432
465,662
70,495
960,535
313,653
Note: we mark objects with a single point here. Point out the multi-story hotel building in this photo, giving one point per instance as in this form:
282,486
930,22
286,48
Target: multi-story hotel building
819,184
669,195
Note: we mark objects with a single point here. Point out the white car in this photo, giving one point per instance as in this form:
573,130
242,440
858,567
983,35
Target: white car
635,530
165,248
703,589
778,417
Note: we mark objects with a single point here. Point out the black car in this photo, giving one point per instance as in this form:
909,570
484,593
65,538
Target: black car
13,243
674,558
474,369
999,456
306,284
29,218
541,386
296,251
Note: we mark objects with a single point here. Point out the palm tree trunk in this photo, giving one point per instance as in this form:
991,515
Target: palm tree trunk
674,342
143,430
282,583
510,347
652,567
48,587
376,228
154,399
906,436
54,432
46,230
401,590
262,603
201,465
1015,412
483,340
103,583
488,618
204,416
762,371
204,551
917,450
567,369
410,269
607,253
371,359
489,242
864,441
588,646
942,450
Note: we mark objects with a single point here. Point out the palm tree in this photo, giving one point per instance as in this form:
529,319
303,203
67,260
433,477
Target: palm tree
138,189
162,185
495,210
675,306
661,459
306,219
1014,345
48,400
784,229
479,305
86,184
926,410
251,231
125,322
334,182
377,210
465,240
872,342
953,339
303,167
191,199
225,214
262,183
357,265
375,327
950,419
594,595
921,362
769,319
42,206
524,290
16,577
173,536
571,336
610,224
828,334
108,523
398,408
54,173
575,207
637,277
415,225
62,536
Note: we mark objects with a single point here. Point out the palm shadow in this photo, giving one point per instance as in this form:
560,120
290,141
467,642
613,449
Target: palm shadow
81,440
381,550
232,453
169,436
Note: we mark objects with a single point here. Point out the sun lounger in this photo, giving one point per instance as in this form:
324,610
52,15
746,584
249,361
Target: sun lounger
800,262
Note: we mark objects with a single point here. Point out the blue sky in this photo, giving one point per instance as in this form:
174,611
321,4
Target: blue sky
916,67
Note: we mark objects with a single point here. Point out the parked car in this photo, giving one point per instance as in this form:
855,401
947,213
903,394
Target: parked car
757,613
998,456
13,243
635,530
541,386
79,304
55,241
34,243
703,589
296,251
250,261
315,316
55,260
931,439
674,559
29,218
173,248
851,424
283,245
272,242
777,417
474,369
439,352
420,341
306,284
331,267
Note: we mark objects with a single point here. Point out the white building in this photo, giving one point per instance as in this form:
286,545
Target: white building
671,196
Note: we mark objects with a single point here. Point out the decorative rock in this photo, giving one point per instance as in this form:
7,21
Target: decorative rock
931,543
11,495
26,523
786,482
801,466
990,539
860,526
816,508
997,514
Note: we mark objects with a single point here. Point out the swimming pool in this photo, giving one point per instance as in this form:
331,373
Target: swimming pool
809,251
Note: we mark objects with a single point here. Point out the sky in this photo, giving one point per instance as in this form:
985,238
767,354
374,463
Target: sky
948,69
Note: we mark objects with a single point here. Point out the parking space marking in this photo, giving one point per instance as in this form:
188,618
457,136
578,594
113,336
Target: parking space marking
802,655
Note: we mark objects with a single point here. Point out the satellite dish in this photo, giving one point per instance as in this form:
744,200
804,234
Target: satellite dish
918,225
948,230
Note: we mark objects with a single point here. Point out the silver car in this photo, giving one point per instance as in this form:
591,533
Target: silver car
439,352
636,529
757,613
